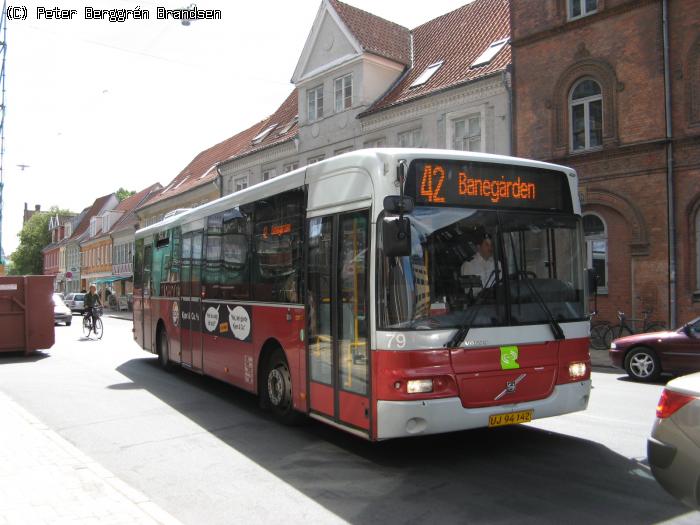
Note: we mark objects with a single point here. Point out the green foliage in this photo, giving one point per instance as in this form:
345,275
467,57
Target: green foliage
123,194
28,259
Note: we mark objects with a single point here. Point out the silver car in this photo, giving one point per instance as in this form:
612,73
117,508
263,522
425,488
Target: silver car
673,449
75,301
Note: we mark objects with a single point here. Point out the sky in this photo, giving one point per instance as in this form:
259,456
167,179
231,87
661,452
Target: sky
93,105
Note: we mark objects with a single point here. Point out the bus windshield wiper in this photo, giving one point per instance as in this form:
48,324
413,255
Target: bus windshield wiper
461,333
553,324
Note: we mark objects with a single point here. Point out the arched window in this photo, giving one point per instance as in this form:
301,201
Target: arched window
586,115
596,236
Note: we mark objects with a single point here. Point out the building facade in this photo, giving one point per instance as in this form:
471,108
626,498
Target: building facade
611,88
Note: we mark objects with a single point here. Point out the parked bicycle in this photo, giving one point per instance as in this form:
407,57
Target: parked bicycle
599,328
624,328
88,326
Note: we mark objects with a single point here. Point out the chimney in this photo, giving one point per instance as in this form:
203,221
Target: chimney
25,206
37,207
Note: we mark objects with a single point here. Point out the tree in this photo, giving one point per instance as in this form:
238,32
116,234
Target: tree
123,194
28,259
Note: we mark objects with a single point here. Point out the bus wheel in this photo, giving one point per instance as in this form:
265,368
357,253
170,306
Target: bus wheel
164,350
277,389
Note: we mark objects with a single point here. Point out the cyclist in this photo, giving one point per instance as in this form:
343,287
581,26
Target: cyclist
92,300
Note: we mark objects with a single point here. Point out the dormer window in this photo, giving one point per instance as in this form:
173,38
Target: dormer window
264,133
490,52
425,75
68,230
581,8
343,93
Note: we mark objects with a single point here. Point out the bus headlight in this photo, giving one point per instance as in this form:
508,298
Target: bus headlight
419,386
577,370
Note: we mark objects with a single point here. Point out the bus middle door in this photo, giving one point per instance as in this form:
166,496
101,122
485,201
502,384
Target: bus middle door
191,332
338,349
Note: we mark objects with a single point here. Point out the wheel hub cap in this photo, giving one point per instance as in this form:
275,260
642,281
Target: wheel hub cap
642,365
275,387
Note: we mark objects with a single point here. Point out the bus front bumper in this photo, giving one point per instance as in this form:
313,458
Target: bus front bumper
433,416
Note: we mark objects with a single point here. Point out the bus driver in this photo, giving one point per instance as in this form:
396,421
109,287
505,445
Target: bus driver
482,264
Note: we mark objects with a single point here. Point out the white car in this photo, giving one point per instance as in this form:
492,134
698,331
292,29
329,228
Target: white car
61,312
673,449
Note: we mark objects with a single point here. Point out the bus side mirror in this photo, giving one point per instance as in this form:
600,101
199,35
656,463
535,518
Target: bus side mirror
396,236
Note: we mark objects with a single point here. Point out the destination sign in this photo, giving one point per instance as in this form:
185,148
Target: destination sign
483,184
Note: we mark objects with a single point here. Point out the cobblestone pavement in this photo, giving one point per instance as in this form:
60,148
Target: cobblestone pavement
46,480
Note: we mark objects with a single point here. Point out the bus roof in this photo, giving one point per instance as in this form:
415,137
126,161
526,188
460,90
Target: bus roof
374,161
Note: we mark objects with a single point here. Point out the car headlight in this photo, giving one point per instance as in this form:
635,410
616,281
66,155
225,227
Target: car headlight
613,346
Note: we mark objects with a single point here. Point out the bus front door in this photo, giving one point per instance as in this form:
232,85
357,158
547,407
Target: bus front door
338,314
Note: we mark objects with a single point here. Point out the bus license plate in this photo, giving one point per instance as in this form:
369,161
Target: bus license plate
511,418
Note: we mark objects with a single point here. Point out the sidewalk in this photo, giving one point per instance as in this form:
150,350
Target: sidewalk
118,314
46,480
601,358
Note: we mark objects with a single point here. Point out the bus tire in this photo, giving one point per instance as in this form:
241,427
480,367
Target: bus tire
276,389
164,350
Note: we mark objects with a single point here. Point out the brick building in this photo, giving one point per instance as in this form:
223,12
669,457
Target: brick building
592,83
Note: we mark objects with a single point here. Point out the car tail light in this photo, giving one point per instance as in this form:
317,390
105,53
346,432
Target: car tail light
670,403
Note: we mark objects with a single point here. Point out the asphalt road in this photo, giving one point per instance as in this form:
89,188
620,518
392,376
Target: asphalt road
205,453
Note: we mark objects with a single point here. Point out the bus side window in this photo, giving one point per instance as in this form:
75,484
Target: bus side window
278,249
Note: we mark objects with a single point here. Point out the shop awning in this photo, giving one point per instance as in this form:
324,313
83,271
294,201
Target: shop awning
111,279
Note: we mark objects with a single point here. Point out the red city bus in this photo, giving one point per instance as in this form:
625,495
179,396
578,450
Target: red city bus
387,292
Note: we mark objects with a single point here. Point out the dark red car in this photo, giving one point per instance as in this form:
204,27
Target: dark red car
645,356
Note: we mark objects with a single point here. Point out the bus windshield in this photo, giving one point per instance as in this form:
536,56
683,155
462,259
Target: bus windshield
477,267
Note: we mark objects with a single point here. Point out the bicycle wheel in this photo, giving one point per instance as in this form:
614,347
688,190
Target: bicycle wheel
86,327
656,326
598,335
98,328
615,332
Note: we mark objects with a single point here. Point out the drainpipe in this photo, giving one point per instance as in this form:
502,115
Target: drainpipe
669,174
221,181
508,83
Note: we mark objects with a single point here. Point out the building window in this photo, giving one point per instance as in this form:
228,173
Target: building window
290,167
342,150
596,236
314,99
269,174
240,183
426,74
586,115
410,139
489,53
343,93
697,252
314,160
467,133
375,143
579,8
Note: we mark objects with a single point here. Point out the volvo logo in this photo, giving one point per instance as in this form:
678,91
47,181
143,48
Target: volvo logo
511,386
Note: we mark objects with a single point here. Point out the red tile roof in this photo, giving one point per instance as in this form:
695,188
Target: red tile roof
202,168
376,35
95,209
457,38
129,205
